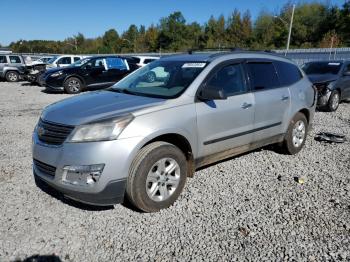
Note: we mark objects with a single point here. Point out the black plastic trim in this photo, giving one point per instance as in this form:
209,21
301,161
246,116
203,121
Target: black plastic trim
112,194
240,134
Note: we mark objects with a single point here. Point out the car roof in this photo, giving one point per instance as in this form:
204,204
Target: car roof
211,56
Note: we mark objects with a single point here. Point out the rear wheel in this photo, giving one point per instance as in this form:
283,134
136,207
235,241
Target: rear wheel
12,76
296,134
73,85
157,177
333,102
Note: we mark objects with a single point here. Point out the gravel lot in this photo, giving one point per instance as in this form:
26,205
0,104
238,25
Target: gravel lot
247,208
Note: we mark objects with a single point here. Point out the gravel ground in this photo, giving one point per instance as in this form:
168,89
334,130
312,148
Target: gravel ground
247,208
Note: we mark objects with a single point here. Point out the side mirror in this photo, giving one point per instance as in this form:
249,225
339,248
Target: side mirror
88,67
347,73
212,93
58,65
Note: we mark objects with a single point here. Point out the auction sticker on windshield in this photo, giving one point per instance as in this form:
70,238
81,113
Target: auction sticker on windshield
194,65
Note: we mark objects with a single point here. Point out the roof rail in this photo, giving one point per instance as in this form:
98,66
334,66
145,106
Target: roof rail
231,49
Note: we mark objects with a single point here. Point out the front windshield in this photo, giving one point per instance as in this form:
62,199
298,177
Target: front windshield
163,79
81,62
322,68
52,60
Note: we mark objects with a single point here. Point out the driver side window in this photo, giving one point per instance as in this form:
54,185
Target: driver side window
230,79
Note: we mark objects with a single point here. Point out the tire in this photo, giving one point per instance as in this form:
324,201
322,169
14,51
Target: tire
12,76
333,101
146,187
73,85
151,77
295,137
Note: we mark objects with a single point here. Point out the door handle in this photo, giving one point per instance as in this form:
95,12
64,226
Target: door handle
246,105
284,98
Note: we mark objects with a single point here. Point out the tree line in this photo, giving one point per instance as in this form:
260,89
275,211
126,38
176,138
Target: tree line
316,24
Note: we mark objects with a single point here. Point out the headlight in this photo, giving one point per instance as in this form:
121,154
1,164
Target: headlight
101,131
56,74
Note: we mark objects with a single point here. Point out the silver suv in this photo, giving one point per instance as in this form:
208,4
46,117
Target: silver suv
142,139
11,67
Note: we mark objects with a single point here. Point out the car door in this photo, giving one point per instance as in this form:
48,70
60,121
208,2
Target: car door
95,73
272,101
225,124
344,81
117,68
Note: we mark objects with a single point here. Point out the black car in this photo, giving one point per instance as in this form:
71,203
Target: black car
332,80
88,73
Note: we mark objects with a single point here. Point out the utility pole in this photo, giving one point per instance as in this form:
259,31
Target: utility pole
290,30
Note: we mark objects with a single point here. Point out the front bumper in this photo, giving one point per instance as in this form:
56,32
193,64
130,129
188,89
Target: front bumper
112,194
116,155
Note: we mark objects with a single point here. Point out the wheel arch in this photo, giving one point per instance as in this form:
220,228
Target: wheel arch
182,143
76,76
306,113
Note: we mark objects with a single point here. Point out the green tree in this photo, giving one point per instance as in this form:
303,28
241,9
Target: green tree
215,32
130,38
344,23
173,32
151,39
111,42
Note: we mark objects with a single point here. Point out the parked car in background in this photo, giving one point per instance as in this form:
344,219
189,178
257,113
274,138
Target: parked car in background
33,71
43,60
63,61
332,80
11,67
143,139
144,60
88,73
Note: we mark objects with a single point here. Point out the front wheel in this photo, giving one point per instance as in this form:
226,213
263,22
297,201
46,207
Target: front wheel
12,76
333,102
296,134
157,177
73,85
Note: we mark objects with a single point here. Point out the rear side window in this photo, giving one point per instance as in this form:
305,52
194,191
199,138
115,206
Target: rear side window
3,59
15,59
288,73
116,63
263,75
230,79
76,59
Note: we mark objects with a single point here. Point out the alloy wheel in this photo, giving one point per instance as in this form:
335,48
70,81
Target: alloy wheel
298,133
163,179
74,86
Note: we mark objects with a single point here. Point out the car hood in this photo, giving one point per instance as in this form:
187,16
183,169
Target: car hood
96,106
322,78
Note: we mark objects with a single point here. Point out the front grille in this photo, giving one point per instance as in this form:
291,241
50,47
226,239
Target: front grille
44,168
52,133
